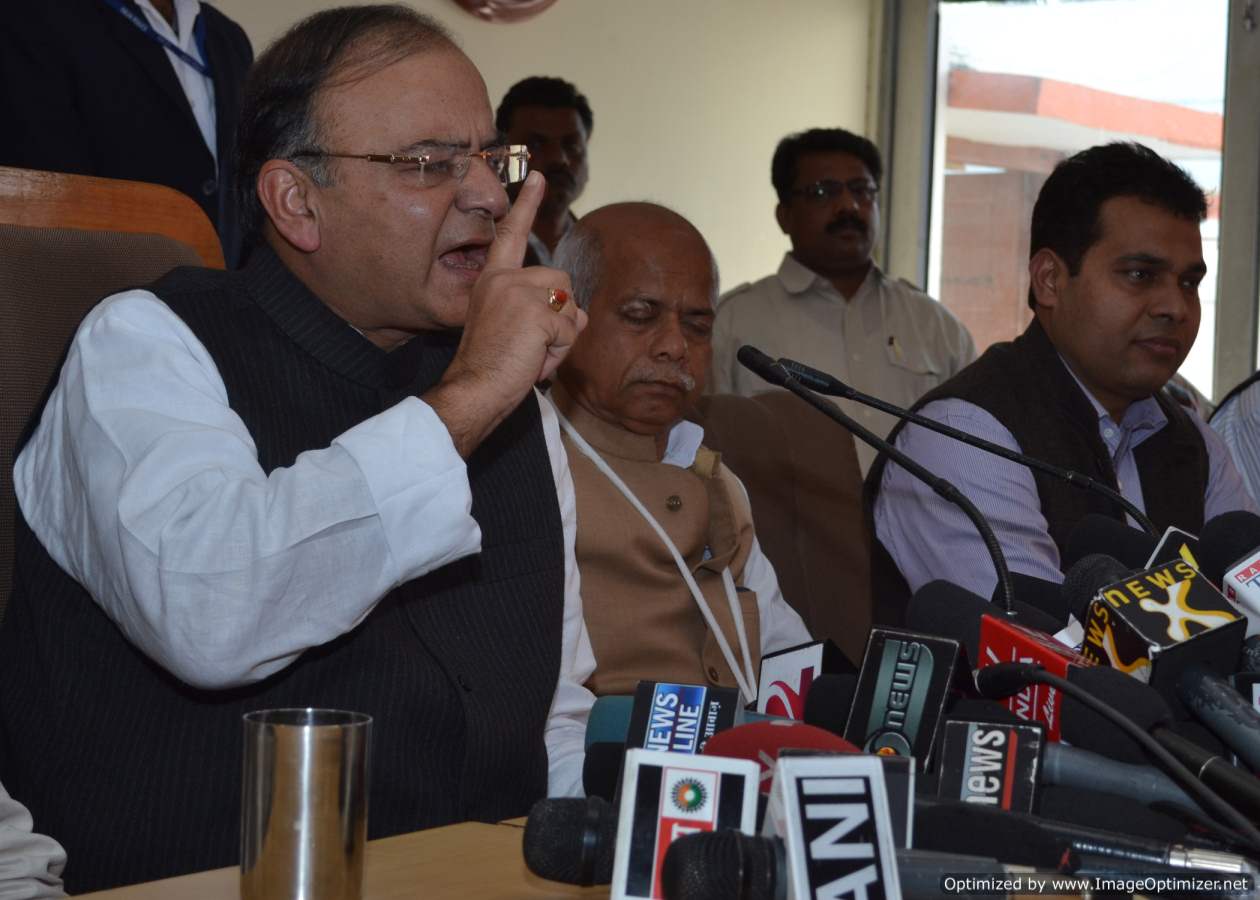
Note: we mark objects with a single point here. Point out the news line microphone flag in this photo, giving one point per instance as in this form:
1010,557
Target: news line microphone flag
667,795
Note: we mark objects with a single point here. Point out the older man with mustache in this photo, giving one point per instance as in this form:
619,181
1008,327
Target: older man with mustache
674,583
829,305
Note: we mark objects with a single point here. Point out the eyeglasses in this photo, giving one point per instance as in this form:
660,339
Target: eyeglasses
509,162
862,191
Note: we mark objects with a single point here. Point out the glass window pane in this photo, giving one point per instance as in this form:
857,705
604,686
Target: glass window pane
1023,85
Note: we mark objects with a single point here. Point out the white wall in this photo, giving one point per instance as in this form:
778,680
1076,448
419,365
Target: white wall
690,96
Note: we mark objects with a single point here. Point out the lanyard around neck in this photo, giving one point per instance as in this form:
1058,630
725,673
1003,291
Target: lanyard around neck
743,676
142,25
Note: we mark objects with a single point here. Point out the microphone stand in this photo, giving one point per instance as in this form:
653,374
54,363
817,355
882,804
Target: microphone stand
775,373
834,387
1003,679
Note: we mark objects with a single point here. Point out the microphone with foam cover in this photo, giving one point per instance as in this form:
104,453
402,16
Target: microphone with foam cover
1087,576
761,742
1096,533
725,865
943,608
829,701
1225,540
571,839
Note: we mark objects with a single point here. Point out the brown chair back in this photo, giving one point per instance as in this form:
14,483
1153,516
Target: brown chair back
67,241
803,480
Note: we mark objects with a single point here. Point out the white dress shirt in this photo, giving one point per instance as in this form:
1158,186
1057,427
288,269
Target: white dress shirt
30,864
198,88
145,486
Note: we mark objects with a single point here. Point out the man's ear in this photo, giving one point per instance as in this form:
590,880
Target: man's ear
780,216
1047,274
290,200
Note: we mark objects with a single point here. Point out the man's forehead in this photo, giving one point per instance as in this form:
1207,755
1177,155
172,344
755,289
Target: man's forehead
1130,226
830,163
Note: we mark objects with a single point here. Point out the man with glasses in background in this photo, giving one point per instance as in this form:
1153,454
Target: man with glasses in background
829,305
325,480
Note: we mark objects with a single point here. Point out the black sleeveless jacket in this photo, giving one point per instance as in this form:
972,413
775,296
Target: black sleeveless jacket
139,774
1025,386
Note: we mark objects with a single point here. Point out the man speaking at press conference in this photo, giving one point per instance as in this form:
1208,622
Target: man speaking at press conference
323,480
1116,261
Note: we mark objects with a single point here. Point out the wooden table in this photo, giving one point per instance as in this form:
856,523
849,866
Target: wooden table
471,860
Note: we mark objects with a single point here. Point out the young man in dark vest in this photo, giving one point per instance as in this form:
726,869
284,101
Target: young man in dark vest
1116,261
324,480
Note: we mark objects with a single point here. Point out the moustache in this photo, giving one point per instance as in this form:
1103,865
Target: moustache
846,220
666,373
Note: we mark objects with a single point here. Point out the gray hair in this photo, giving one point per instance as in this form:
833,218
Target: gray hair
581,254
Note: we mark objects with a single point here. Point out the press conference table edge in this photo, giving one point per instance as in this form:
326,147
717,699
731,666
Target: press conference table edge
472,860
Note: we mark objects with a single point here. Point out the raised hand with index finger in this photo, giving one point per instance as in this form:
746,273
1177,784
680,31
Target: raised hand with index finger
519,327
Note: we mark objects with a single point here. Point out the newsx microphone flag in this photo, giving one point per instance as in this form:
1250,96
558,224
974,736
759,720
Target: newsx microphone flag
668,795
1154,623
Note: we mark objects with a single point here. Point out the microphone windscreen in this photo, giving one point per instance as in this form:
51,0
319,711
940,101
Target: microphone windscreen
723,865
1044,596
1096,533
1088,575
609,721
1081,727
945,609
1225,540
761,742
829,700
1249,658
571,839
973,830
601,769
1108,812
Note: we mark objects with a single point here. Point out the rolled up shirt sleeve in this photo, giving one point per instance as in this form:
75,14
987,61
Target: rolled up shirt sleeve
145,486
930,538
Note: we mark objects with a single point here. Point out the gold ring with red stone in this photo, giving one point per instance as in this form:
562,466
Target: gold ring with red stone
557,298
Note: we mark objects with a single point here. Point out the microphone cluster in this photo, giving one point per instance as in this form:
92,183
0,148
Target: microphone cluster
1097,736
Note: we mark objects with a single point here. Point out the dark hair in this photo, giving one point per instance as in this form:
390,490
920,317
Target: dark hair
278,103
819,140
1065,217
543,90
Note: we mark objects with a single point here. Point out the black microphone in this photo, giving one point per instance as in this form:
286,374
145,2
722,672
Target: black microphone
834,387
1096,533
760,364
1225,540
1087,576
571,839
1215,703
1004,679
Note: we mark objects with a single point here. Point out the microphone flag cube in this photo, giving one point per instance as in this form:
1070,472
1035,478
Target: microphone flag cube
832,814
1156,622
1241,586
668,795
679,718
990,764
901,693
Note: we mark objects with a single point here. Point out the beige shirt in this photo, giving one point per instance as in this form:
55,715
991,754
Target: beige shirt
891,340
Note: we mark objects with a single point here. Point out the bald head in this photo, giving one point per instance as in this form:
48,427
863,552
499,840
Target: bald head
648,281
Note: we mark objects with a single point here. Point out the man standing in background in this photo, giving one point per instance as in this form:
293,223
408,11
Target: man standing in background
829,305
145,90
554,121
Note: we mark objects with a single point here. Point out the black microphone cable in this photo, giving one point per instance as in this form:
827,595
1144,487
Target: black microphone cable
834,387
774,372
1004,679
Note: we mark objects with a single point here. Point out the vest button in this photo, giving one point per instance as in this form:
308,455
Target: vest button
714,675
209,186
463,682
673,503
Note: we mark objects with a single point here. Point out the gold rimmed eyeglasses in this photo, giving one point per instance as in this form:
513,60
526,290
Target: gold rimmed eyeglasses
509,162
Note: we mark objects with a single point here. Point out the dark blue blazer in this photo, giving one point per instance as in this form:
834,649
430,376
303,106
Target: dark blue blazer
82,90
